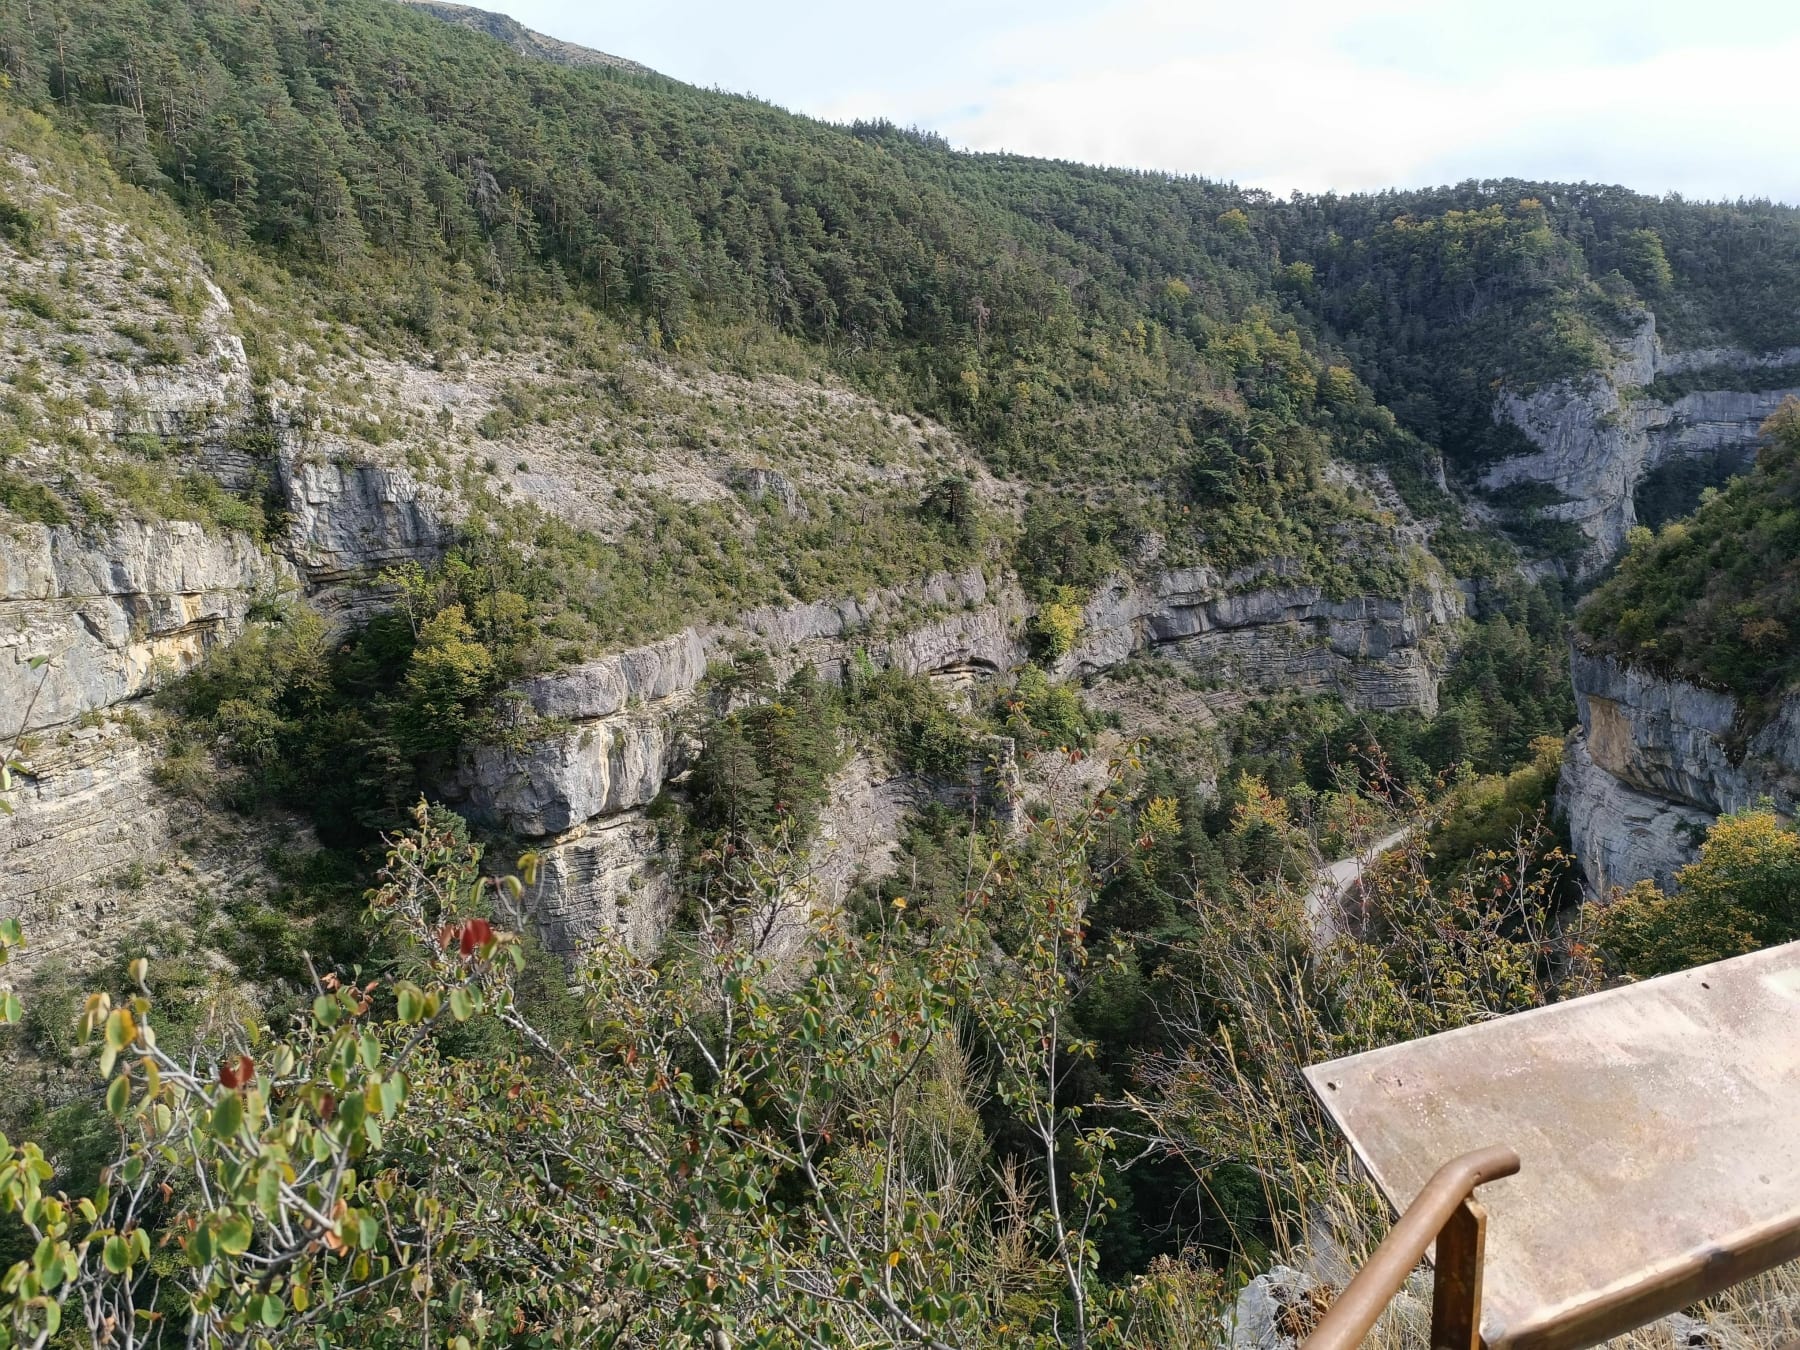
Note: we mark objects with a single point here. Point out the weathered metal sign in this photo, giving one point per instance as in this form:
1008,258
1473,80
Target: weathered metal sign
1658,1125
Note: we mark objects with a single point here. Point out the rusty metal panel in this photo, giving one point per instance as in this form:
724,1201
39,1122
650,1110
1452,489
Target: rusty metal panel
1659,1129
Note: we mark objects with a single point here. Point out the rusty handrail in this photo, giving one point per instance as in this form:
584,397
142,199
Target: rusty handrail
1365,1298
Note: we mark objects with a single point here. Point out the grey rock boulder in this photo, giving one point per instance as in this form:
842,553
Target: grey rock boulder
1276,1310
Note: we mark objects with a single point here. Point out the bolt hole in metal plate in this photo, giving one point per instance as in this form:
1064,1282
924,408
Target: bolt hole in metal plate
1659,1129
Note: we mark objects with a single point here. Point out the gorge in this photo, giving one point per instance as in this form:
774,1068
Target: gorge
653,721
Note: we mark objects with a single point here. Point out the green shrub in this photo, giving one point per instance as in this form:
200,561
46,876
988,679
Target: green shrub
1742,894
1042,713
19,227
1715,599
906,715
30,500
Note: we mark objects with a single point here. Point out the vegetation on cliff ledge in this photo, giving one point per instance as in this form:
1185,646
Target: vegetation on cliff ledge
1715,598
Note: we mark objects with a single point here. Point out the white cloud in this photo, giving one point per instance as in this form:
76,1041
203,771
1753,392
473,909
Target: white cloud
1279,94
1271,96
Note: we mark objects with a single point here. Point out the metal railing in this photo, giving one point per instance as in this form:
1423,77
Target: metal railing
1445,1212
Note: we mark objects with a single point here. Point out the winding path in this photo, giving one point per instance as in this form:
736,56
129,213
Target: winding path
1332,880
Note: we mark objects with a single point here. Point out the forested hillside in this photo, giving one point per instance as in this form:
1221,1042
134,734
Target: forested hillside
1053,310
720,730
1712,598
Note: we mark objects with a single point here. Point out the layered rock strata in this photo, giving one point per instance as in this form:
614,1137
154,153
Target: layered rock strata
1375,652
109,614
1597,436
87,823
91,620
600,740
1655,761
349,518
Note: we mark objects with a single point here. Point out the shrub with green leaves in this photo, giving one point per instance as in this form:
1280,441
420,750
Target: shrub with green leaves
720,1148
1741,894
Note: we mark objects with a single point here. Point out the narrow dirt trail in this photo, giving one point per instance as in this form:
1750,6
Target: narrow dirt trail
1332,880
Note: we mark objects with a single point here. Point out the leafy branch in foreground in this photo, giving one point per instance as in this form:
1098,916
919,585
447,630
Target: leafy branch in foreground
722,1148
247,1199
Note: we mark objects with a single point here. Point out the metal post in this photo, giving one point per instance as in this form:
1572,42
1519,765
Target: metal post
1456,1280
1431,1215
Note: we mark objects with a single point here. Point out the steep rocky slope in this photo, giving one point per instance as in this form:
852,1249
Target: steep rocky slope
598,742
1685,675
1599,435
1655,761
190,493
614,379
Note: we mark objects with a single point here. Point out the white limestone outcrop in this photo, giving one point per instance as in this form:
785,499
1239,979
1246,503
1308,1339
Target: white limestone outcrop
1376,652
116,611
1598,435
1655,761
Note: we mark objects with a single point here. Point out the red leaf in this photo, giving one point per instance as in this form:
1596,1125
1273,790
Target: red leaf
237,1075
476,933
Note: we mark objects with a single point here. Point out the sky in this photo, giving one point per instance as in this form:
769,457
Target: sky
1700,97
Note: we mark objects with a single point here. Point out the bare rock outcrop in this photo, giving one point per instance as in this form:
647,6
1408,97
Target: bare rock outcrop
1598,435
596,743
348,518
964,626
85,815
1374,651
115,611
562,779
605,874
613,872
1622,836
1655,761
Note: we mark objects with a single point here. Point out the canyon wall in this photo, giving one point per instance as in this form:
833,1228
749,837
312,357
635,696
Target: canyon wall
116,612
1655,761
1599,435
94,620
596,743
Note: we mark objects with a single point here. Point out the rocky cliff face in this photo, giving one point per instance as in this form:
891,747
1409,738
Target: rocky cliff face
348,518
107,615
119,610
1655,762
91,620
115,611
596,743
1375,652
1598,436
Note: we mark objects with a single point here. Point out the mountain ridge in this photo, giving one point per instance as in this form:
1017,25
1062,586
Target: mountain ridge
525,41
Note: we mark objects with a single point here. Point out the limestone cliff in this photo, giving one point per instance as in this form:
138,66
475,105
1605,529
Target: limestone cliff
1599,435
115,610
594,745
201,489
1655,761
1375,652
